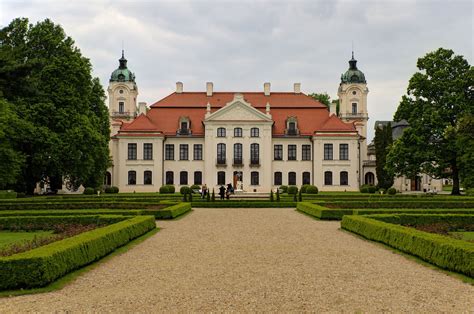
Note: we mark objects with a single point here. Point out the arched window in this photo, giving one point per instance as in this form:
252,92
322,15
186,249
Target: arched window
108,179
238,132
354,108
254,132
237,154
292,178
343,178
328,178
183,178
254,154
220,177
220,132
369,178
291,126
306,178
198,177
278,178
147,177
169,177
132,177
254,179
221,154
184,126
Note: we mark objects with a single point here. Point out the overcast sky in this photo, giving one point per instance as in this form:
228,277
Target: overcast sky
239,44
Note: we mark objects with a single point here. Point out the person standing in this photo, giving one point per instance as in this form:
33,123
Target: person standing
222,192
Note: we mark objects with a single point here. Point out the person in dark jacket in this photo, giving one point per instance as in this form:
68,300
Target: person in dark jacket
222,192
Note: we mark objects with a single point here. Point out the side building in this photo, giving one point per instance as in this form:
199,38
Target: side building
256,141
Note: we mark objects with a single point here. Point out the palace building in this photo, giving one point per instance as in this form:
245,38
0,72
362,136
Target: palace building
256,141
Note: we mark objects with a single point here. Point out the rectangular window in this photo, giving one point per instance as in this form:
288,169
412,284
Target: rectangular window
254,154
306,152
183,178
221,132
277,180
132,151
254,180
198,177
197,151
291,152
169,177
238,132
148,151
254,132
354,108
147,177
132,177
220,177
327,151
121,106
169,152
291,178
344,151
306,178
183,152
278,152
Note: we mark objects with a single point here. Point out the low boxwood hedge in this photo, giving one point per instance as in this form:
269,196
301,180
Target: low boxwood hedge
41,266
170,212
321,212
399,204
7,194
452,254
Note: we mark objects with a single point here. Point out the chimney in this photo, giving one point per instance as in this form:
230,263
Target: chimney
179,87
266,89
141,108
209,88
297,88
332,108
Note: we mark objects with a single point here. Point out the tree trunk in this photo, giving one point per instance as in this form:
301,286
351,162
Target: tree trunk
455,190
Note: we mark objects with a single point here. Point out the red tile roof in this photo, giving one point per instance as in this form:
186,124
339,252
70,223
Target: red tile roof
311,115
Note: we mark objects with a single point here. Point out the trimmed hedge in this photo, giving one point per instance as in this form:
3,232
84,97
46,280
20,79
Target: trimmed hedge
322,212
167,189
171,212
111,190
244,203
88,191
391,191
41,266
452,254
312,189
292,189
399,204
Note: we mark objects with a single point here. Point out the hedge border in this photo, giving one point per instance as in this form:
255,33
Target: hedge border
42,222
322,212
41,266
452,254
242,204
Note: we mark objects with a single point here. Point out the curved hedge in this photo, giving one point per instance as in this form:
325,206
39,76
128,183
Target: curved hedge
451,254
41,266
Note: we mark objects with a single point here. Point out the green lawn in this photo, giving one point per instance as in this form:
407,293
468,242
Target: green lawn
8,238
464,235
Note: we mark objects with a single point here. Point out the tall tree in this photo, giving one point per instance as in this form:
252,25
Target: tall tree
383,140
465,146
437,96
48,81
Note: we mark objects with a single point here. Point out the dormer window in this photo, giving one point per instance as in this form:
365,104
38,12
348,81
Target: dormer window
291,126
184,126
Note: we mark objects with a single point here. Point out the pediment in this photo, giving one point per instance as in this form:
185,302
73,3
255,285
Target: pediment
238,110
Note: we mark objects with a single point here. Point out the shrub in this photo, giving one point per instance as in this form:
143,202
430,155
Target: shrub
41,266
391,191
312,189
372,189
451,254
284,189
195,187
271,196
184,190
7,194
167,189
213,197
300,196
88,191
278,195
368,188
364,189
292,189
304,187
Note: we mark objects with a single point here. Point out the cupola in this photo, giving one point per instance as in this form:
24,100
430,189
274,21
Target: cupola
353,74
122,74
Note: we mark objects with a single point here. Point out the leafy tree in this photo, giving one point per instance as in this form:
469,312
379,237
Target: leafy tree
465,146
323,98
437,96
383,140
49,83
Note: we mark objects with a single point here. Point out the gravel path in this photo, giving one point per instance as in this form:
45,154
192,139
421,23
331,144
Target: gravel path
254,260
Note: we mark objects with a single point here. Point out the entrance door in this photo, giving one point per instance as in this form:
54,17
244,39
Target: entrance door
238,179
416,184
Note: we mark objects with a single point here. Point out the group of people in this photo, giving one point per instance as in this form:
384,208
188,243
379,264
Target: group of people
224,192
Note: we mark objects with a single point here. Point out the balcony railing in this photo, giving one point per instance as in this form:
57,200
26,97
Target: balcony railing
254,162
291,132
237,162
354,115
121,114
221,161
369,163
183,132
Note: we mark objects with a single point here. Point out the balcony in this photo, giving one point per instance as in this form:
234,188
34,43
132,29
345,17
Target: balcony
238,162
121,114
221,162
355,115
369,163
254,162
183,132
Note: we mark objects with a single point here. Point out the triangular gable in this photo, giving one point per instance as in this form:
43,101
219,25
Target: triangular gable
238,110
141,123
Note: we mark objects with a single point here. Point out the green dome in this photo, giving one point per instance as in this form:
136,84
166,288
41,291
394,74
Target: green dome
122,74
353,74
